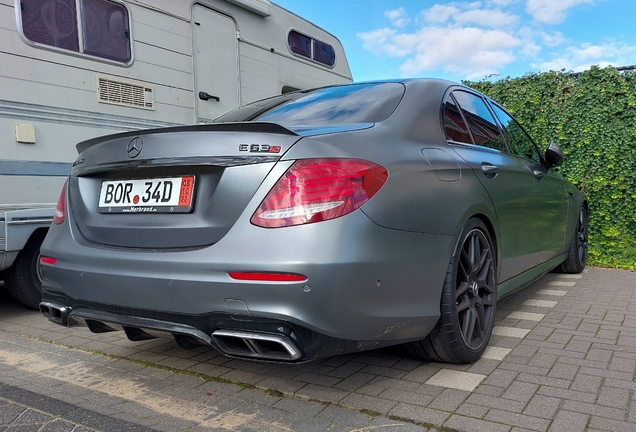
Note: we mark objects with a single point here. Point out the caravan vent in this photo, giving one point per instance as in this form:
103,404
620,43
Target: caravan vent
129,93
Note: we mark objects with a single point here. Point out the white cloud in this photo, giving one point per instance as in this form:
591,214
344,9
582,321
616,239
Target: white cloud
475,39
530,49
580,58
375,40
552,11
440,14
398,17
534,41
459,37
470,51
552,39
463,14
500,3
486,17
388,42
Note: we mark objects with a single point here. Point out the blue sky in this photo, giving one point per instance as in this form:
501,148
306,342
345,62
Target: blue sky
474,39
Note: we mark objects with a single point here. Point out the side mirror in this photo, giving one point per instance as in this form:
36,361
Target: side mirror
553,155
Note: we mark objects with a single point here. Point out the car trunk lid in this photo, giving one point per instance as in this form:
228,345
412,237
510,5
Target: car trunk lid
171,188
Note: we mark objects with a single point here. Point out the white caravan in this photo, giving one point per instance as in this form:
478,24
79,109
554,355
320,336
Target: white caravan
71,70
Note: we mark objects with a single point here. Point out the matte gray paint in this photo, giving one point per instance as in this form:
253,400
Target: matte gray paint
341,303
403,237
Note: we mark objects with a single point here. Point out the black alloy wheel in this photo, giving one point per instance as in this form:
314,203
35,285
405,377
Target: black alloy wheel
581,236
576,258
468,301
476,289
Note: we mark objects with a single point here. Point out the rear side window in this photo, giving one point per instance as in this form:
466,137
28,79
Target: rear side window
310,48
100,29
482,125
454,125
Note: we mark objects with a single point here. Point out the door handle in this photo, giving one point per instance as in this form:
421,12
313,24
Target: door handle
489,170
206,96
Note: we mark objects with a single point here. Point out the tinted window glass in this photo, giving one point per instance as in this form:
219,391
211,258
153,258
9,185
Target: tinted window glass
50,22
104,24
324,53
481,122
299,44
520,142
454,125
358,103
302,45
106,32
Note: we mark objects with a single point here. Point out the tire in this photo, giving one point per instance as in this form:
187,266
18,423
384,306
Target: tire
576,258
468,303
23,279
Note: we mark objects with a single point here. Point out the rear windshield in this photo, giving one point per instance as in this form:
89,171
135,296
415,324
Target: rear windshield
349,104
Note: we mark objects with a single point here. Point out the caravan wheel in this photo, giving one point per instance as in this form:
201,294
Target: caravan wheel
23,278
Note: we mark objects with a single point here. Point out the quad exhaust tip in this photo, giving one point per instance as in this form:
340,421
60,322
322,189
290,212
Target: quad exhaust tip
265,346
256,345
55,312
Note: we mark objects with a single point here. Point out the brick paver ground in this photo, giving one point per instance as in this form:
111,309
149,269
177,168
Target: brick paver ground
562,358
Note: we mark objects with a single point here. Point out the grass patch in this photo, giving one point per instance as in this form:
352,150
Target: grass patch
274,393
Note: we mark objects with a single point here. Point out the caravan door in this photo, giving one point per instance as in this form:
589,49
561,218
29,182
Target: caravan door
215,56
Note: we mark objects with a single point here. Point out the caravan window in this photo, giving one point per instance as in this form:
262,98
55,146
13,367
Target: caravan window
299,44
311,48
324,53
104,26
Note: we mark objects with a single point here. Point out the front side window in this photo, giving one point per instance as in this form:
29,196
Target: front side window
480,121
313,49
520,142
102,24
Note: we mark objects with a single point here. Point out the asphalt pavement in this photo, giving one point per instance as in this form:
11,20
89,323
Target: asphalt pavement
562,358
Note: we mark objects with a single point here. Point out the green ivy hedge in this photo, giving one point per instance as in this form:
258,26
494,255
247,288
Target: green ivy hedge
592,116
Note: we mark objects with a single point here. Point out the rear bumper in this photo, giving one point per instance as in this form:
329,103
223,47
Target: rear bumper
261,339
264,344
366,287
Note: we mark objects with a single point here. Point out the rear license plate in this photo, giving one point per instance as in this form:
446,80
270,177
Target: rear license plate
156,195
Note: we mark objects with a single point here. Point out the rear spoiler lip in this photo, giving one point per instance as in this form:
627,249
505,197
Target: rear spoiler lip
256,127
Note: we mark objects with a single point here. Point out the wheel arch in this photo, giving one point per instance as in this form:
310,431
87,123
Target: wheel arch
38,233
486,213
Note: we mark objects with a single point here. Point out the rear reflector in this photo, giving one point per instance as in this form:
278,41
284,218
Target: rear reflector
267,277
48,260
314,190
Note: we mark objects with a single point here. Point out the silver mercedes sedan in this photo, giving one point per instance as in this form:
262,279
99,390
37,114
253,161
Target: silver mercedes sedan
314,223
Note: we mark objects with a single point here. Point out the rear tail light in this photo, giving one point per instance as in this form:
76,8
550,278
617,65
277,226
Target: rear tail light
60,209
314,190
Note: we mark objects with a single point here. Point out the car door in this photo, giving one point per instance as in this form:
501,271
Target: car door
552,196
475,135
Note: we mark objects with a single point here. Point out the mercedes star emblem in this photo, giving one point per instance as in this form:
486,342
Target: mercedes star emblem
134,147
